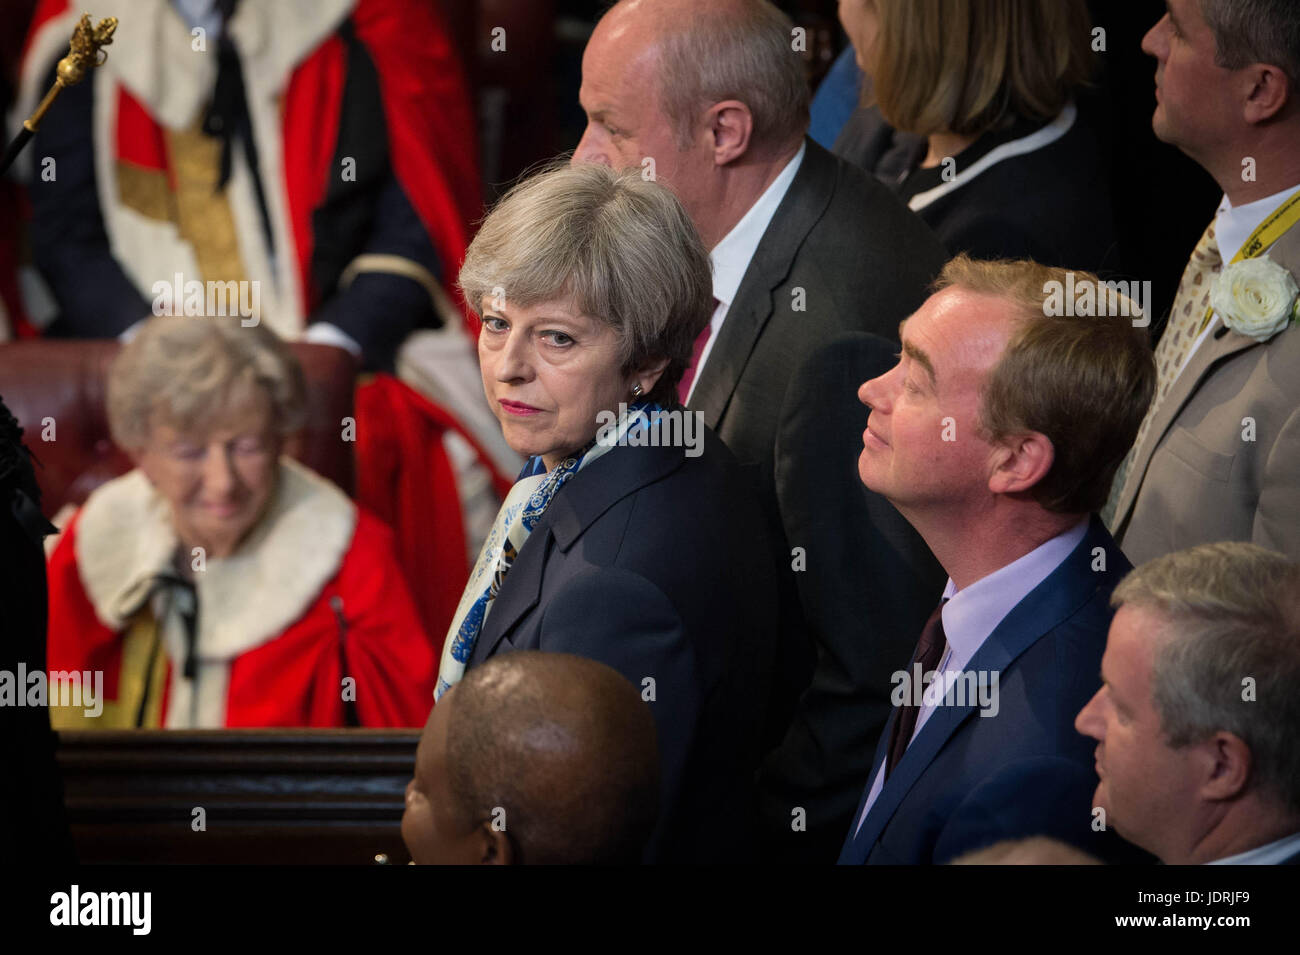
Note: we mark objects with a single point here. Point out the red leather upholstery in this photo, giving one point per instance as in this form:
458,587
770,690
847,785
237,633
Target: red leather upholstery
61,384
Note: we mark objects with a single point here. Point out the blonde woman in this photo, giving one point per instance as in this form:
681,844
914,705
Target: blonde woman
972,116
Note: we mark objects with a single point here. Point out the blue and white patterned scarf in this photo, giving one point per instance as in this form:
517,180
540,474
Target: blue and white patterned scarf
523,508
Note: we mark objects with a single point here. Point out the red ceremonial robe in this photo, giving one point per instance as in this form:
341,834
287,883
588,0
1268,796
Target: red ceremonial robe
311,613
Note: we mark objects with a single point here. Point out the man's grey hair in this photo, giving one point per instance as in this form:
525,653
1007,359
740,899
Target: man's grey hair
184,371
1230,660
1255,31
734,50
616,247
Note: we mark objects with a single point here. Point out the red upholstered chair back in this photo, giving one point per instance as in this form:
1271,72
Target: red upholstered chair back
56,390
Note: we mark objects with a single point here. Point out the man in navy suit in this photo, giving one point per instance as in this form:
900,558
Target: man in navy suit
1198,720
997,436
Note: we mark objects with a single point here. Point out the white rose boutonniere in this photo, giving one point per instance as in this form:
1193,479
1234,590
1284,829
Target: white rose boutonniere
1256,297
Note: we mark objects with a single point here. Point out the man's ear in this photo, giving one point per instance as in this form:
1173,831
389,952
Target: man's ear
1269,92
1224,763
732,125
495,847
1021,461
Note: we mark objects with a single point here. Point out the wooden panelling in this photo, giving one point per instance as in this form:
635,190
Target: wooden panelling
268,796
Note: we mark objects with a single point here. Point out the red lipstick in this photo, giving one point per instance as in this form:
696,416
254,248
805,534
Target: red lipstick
518,407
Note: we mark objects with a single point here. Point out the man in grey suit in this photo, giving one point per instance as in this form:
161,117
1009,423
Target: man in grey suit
712,101
1218,456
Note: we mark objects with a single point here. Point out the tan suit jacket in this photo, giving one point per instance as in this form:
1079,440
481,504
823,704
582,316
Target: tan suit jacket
1221,460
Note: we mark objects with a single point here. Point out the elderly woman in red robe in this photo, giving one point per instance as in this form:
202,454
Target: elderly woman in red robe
221,583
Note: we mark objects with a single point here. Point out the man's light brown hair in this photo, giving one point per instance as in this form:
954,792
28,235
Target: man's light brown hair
966,66
1083,382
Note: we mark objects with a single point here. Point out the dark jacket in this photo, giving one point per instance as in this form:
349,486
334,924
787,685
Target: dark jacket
966,780
33,828
865,601
841,254
1051,203
657,564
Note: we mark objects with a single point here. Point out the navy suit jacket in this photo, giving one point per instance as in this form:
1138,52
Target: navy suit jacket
657,564
968,781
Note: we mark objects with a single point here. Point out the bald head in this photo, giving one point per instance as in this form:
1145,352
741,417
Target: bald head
710,100
558,749
704,54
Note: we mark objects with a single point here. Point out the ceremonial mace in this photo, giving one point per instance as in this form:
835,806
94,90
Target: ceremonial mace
83,52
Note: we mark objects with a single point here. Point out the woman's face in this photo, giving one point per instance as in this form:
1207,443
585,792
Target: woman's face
218,483
548,372
862,25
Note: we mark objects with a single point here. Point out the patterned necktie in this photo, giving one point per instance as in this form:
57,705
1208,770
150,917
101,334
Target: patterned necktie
702,339
1181,332
929,651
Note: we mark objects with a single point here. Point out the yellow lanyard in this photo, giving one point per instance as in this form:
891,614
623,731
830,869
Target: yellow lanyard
1277,224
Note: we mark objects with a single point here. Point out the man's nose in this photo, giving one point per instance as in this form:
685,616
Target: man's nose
870,392
1151,44
1086,722
589,151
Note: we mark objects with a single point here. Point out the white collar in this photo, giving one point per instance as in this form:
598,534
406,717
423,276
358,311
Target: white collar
1234,224
1270,854
731,256
125,538
971,614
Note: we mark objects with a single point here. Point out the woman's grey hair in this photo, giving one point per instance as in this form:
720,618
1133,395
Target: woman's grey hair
1255,31
739,50
1231,660
183,371
622,250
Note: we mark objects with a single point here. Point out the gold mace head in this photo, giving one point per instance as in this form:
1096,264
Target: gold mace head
85,49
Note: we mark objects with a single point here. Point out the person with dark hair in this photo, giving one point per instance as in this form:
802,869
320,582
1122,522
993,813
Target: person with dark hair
972,118
535,758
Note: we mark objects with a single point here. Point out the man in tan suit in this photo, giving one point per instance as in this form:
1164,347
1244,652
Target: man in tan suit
1218,456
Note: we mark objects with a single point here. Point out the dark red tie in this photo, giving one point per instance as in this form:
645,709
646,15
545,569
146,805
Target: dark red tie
929,651
702,339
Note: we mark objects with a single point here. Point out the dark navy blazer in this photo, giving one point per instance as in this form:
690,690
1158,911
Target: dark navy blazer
967,781
657,564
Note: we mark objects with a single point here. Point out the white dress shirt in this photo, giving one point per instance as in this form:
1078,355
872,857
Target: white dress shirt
972,614
1270,854
731,256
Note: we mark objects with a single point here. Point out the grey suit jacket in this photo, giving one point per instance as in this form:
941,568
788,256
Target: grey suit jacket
841,254
1221,460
